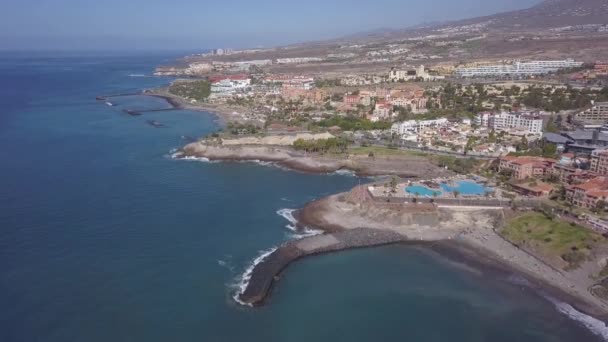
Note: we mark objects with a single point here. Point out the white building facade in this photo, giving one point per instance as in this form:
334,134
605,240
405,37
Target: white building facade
530,68
406,127
527,122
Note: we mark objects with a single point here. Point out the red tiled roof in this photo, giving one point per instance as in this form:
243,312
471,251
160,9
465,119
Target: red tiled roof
525,160
593,185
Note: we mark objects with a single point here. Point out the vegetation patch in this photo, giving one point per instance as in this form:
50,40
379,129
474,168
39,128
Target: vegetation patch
197,90
458,165
338,145
373,151
553,239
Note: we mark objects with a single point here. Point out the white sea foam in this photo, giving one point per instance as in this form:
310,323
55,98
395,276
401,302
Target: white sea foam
243,280
594,325
137,75
256,161
288,215
293,224
343,172
227,263
180,156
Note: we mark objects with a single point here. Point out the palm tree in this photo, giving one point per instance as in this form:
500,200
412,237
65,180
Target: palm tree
434,196
456,193
393,184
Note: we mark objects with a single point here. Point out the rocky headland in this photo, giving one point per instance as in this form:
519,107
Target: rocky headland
277,149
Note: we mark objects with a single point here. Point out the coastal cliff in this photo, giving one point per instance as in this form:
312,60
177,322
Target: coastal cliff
363,165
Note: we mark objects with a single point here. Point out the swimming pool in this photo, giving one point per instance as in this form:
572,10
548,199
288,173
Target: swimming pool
467,188
421,190
463,187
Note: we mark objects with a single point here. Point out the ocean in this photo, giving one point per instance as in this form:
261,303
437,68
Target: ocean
105,237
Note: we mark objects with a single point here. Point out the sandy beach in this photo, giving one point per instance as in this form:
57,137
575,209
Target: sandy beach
474,231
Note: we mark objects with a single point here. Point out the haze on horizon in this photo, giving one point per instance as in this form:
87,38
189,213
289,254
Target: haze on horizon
189,24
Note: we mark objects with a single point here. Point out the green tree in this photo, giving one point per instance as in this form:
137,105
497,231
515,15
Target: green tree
523,145
393,184
600,205
492,137
549,150
551,125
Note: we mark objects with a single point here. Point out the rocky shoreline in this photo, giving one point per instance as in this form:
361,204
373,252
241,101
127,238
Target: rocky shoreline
222,113
285,156
266,273
470,232
464,236
467,235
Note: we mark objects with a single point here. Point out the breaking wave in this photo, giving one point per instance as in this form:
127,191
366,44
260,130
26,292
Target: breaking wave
257,161
243,280
299,232
344,172
596,326
180,156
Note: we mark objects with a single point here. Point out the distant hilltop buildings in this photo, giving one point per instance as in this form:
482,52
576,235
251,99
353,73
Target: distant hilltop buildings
221,52
517,68
411,74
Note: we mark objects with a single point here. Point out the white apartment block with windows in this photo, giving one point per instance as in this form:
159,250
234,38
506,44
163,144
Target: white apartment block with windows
409,126
597,114
529,123
518,68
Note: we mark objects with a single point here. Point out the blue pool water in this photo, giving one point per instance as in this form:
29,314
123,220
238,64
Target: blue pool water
463,187
421,190
467,188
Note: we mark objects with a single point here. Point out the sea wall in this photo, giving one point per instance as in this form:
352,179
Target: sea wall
264,274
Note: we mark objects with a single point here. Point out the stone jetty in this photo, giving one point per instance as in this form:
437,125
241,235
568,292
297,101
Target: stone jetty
264,274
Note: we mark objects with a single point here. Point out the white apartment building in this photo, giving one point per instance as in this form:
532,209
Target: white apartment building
527,122
381,113
411,74
597,114
517,68
298,60
299,84
229,86
406,127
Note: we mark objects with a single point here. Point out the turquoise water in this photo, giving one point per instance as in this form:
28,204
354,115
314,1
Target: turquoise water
466,188
463,187
104,237
421,190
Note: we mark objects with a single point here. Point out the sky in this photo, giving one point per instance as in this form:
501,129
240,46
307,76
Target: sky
202,24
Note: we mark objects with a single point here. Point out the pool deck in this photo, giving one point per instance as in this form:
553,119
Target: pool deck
401,190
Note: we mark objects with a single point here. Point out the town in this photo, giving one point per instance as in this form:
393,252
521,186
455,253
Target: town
540,127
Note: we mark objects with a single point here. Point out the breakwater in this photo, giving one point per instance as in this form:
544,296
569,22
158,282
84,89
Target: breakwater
265,273
105,97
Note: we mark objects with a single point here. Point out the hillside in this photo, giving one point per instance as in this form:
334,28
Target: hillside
550,14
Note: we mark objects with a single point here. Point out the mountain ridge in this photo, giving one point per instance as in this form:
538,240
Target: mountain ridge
548,14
